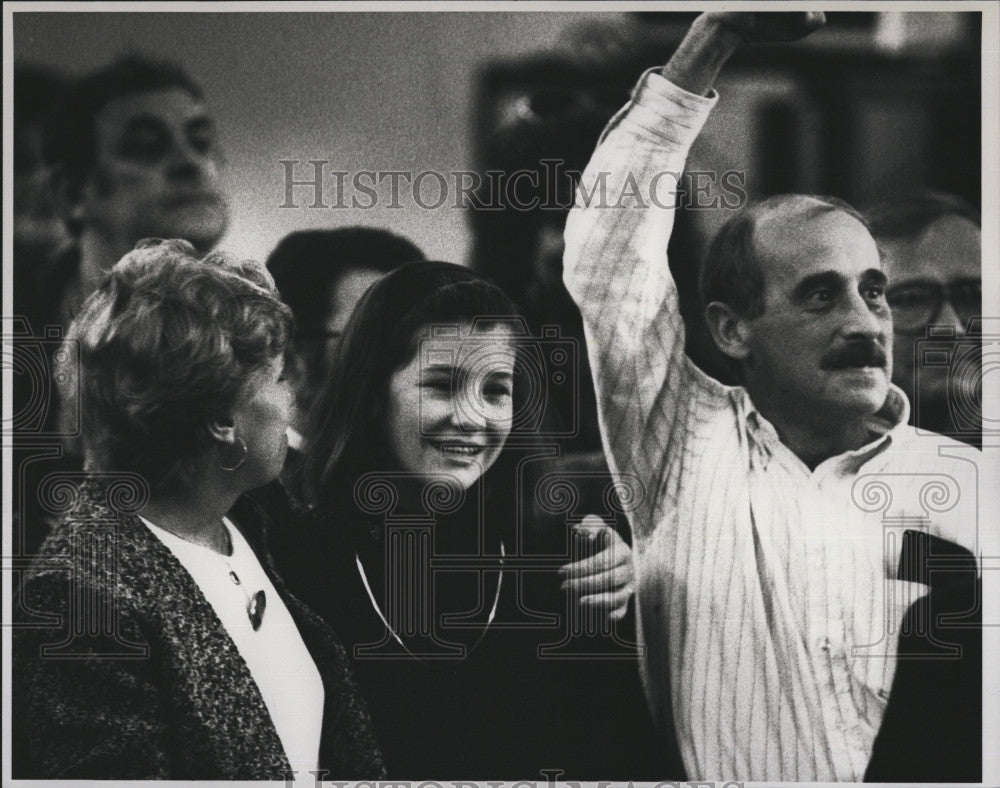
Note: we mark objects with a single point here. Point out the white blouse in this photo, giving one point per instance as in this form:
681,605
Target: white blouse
277,658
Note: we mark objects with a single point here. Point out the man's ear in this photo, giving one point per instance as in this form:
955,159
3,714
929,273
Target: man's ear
729,330
69,196
223,429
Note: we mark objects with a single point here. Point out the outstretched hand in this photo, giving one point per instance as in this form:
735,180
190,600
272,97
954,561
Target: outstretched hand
714,36
604,581
770,27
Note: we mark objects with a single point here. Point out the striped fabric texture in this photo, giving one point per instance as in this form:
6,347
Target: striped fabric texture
767,594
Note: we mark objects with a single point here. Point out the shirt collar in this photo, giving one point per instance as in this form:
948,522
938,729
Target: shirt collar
893,414
295,439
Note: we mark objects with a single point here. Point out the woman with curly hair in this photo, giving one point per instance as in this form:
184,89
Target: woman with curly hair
158,641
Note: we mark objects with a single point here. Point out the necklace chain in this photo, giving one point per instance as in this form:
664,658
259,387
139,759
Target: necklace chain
397,638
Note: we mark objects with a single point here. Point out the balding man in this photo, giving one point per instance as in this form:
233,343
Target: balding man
769,548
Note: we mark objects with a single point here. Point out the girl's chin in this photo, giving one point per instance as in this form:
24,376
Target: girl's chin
466,474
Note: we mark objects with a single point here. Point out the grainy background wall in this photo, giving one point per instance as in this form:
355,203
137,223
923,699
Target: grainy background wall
366,91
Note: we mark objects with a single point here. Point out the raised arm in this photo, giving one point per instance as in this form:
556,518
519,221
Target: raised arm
615,264
714,37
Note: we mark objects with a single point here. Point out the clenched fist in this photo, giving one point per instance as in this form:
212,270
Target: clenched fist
758,28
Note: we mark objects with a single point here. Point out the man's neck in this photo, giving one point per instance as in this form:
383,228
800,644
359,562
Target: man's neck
816,442
98,254
814,434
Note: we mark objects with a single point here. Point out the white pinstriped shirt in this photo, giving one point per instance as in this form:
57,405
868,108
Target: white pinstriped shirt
767,598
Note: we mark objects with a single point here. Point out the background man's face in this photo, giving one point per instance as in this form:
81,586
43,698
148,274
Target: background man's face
316,350
822,345
157,171
38,228
947,254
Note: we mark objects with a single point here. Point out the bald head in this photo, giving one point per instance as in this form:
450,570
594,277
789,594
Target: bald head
732,272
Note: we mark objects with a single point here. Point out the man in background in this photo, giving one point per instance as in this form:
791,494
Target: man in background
931,246
321,275
135,155
132,153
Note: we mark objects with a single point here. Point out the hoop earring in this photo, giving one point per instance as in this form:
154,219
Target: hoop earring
242,459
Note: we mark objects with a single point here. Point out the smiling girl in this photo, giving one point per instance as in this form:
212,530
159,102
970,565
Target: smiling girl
413,528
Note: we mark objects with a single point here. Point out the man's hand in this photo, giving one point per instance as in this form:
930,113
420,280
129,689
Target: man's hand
604,581
772,27
713,37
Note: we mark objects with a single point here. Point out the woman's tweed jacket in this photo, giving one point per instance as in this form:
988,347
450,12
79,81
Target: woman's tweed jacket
123,670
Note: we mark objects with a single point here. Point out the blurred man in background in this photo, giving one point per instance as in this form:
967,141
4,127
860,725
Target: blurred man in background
931,250
134,155
321,275
931,247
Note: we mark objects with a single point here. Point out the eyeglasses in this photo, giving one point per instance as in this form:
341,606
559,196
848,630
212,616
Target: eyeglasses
917,304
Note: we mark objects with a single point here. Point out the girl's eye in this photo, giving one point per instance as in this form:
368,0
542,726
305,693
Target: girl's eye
438,384
496,392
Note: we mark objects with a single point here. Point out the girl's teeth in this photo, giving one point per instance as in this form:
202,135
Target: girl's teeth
467,450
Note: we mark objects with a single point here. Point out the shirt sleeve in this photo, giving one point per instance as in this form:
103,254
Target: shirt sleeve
650,395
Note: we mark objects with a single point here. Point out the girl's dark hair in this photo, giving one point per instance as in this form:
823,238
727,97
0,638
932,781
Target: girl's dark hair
347,422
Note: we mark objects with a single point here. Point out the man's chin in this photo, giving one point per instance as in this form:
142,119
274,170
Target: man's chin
202,230
862,391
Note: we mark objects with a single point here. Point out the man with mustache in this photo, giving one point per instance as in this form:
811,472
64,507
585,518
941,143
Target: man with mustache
775,543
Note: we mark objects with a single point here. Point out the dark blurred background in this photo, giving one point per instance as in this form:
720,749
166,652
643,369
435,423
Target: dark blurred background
873,107
876,102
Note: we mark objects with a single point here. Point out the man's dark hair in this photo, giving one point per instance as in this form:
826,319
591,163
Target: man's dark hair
71,144
307,265
731,271
910,216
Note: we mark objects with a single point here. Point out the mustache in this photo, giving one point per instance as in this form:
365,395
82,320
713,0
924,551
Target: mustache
854,355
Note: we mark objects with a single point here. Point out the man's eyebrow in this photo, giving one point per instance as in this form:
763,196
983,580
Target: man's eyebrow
441,367
875,276
200,123
829,279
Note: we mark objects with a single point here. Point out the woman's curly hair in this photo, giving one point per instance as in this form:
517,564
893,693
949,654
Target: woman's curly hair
166,345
